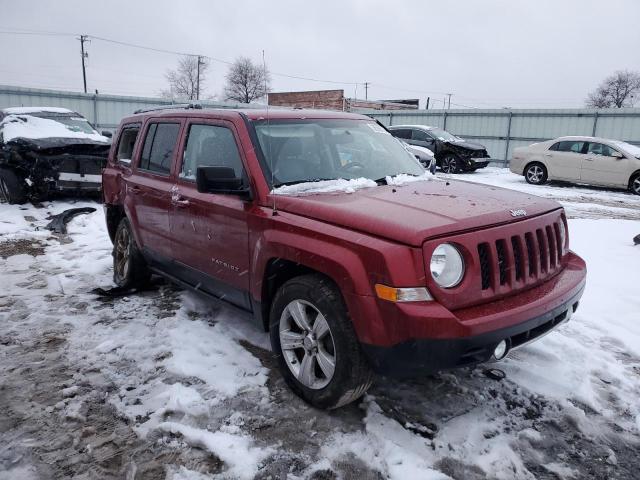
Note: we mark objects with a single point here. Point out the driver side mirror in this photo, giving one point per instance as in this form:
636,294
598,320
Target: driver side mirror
220,180
106,133
617,155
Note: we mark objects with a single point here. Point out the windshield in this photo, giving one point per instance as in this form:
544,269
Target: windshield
312,150
73,123
629,148
443,135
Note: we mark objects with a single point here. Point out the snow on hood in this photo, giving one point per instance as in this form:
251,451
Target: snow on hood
342,185
30,127
404,178
325,186
28,110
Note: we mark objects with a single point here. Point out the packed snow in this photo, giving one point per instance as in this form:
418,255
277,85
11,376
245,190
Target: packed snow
30,127
193,391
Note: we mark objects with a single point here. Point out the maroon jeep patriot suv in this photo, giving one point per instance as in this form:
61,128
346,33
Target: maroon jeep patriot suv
336,239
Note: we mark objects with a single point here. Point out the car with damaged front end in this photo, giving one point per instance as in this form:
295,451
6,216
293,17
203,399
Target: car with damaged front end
337,241
453,154
44,150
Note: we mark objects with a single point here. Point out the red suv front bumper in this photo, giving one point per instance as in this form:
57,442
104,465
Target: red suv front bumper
410,338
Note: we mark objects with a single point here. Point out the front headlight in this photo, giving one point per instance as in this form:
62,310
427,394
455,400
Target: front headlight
447,265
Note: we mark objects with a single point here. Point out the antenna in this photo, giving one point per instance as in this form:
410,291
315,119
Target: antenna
264,71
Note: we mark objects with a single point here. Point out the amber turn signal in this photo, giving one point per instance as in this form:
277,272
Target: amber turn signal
392,294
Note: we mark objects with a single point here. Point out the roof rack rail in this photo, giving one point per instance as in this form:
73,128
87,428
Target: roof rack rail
186,106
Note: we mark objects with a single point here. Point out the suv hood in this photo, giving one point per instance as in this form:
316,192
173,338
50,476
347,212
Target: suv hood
417,211
466,145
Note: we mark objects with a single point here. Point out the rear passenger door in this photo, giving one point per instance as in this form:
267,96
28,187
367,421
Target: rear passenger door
148,188
211,230
564,159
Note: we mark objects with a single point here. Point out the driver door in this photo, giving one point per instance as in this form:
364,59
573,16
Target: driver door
211,234
601,167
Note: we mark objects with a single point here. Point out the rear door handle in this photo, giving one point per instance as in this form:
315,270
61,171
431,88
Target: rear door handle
134,189
181,202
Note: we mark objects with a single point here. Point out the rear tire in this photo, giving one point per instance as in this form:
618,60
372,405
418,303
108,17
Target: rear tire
12,188
450,163
321,359
129,268
634,184
535,173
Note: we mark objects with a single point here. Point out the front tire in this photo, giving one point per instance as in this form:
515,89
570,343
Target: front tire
313,339
634,184
129,268
450,163
535,174
12,188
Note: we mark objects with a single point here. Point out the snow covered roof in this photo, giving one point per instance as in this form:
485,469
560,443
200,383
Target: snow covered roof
30,127
421,127
28,110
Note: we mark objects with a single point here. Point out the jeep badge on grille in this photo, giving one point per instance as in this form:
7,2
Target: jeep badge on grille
518,213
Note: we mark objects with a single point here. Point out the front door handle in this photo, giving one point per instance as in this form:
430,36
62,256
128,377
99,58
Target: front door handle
134,189
547,154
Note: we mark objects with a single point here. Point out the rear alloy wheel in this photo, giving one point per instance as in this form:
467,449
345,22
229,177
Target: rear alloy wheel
450,163
313,339
129,268
535,174
634,184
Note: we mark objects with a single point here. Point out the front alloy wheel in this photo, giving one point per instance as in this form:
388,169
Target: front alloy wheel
635,185
536,174
315,343
307,344
450,164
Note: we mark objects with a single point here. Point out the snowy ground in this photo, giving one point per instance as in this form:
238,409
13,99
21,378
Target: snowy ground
165,385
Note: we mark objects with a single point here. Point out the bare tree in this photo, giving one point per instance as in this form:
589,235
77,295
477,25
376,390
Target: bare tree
618,90
187,80
246,81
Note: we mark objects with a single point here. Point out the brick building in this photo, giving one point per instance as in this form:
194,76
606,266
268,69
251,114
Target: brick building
332,100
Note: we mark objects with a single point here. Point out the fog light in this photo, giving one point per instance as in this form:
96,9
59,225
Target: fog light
501,350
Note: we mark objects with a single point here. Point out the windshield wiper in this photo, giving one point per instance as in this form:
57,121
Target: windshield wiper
307,180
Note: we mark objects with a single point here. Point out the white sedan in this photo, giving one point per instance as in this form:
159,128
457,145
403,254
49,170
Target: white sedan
589,160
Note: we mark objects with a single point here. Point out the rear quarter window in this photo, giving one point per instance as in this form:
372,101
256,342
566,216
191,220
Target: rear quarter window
126,143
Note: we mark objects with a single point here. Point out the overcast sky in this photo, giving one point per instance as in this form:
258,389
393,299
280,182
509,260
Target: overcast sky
490,53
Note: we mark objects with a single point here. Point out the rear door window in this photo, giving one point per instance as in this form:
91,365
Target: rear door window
569,146
159,145
401,133
126,142
210,145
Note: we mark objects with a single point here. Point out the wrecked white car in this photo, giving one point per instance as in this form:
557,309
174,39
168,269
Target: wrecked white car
44,150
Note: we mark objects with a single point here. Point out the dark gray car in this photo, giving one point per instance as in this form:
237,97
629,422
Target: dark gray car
453,154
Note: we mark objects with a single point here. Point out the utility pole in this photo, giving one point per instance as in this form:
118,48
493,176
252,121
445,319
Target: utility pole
200,62
83,38
366,90
449,105
427,107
